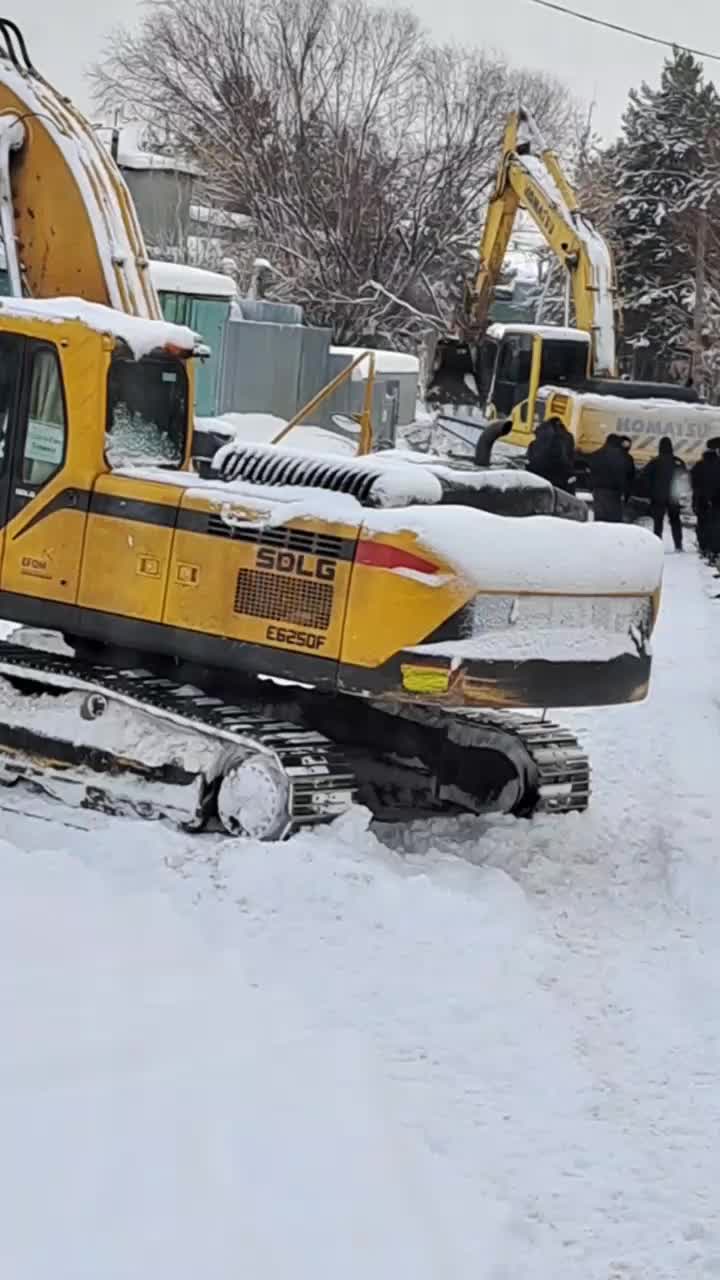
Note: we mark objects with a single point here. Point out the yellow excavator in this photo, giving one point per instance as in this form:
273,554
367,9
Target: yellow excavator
529,372
259,648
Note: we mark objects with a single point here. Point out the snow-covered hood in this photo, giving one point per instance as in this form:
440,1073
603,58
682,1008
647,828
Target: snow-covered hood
536,554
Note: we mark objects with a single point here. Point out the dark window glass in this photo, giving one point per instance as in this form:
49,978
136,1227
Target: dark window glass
147,412
564,363
10,360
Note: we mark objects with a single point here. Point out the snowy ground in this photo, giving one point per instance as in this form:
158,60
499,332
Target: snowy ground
490,1052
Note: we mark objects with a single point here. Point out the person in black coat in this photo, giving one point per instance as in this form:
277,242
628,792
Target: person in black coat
705,479
626,443
661,477
700,483
552,454
609,479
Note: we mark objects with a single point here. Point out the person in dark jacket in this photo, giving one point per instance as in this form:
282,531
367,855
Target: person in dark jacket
609,480
662,477
552,454
706,500
626,443
701,485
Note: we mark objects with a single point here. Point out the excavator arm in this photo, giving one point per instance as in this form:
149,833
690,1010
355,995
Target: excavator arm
55,175
530,177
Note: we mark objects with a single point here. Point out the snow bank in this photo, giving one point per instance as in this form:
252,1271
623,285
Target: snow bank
495,1047
142,336
507,553
162,1116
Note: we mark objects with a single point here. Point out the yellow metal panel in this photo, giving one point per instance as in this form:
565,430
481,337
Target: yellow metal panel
42,552
43,560
255,591
125,567
388,611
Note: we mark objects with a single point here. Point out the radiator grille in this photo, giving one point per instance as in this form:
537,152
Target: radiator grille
281,598
317,544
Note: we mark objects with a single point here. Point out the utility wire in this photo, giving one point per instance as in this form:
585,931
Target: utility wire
626,31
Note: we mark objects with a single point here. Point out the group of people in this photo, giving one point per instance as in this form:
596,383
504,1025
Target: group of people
613,479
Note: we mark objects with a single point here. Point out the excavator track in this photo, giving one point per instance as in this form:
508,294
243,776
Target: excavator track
439,760
317,784
315,776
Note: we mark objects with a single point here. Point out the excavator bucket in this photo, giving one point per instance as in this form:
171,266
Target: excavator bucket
453,380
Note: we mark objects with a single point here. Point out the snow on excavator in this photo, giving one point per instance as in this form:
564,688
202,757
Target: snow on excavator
531,372
260,648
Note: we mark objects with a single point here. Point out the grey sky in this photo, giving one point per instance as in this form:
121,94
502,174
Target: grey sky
64,37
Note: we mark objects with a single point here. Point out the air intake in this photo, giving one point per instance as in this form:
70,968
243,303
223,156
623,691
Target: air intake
372,483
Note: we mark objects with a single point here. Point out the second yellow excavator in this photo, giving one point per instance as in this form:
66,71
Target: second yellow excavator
529,372
257,649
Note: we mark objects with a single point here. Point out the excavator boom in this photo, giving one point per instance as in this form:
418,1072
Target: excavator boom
530,177
71,183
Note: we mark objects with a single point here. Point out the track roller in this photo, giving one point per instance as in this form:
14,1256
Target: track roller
253,799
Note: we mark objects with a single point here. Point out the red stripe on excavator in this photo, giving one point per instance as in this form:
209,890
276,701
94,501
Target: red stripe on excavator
382,556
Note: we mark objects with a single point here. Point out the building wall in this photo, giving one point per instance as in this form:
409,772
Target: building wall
162,199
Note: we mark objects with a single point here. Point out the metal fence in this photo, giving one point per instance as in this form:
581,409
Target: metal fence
277,365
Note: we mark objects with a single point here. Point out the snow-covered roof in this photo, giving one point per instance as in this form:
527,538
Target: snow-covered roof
129,158
177,277
547,331
142,336
385,361
219,217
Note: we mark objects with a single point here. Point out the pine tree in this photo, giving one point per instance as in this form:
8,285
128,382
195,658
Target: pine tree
664,172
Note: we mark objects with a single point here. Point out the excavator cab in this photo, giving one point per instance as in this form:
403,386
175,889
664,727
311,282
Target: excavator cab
508,367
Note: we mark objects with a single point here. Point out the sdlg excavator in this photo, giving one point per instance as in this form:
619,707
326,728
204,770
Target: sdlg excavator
258,649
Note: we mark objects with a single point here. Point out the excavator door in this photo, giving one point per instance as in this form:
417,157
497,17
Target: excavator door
42,520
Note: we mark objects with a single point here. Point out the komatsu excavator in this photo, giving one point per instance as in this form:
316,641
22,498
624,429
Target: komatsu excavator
530,372
258,649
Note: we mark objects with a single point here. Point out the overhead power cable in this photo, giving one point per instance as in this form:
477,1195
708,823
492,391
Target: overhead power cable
625,31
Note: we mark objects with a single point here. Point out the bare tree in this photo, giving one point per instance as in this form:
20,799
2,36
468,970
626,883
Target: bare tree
362,151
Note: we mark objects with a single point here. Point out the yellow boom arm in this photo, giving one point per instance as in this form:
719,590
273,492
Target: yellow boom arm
68,222
530,177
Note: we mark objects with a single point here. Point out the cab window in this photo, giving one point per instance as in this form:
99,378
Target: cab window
46,429
513,374
147,410
563,362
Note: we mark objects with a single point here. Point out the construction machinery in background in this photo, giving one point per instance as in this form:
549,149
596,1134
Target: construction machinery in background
258,648
531,372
